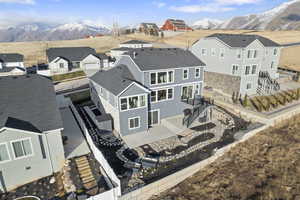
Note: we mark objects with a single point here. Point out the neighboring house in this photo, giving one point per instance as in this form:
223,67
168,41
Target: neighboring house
243,64
67,59
12,64
30,131
148,28
175,25
127,46
146,86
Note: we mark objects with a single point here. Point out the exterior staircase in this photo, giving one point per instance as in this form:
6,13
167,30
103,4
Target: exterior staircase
266,85
88,180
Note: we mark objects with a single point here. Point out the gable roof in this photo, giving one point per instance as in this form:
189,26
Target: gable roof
29,104
101,56
9,69
241,40
11,57
72,54
135,42
115,79
163,58
149,25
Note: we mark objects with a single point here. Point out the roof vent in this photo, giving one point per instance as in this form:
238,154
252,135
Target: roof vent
135,54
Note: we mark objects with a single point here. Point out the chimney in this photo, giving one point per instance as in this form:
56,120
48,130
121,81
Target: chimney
134,54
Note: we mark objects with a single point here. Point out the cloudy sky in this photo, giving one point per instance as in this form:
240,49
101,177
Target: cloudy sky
126,12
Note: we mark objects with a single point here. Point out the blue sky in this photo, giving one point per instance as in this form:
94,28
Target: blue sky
126,11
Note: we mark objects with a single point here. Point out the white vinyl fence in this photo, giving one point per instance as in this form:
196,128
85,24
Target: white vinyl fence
107,171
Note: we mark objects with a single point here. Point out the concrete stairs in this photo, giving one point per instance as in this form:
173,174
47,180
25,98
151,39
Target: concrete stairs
86,175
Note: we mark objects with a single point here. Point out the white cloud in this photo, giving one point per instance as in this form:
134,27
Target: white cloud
213,8
159,4
18,1
236,2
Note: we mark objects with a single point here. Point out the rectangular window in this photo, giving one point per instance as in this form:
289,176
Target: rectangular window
275,52
249,54
239,54
222,53
170,93
171,76
4,155
124,104
133,102
254,67
272,64
153,78
235,69
213,52
255,54
153,96
161,95
61,65
185,74
197,73
162,77
248,86
22,148
134,123
247,70
203,52
142,101
197,89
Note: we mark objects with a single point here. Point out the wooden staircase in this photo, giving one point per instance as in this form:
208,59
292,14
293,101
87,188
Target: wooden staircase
88,180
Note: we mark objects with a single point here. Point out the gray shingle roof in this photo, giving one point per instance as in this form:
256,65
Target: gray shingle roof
72,54
163,58
28,103
135,42
149,25
115,79
240,40
101,56
122,49
9,69
11,57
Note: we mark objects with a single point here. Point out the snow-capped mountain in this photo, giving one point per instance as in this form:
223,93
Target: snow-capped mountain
284,17
45,31
206,23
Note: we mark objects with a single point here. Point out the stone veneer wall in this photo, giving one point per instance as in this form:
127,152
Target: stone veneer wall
227,83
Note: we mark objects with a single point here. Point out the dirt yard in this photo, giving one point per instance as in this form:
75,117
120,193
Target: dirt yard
34,52
266,167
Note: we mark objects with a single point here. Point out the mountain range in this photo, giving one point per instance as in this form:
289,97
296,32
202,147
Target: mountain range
46,31
284,17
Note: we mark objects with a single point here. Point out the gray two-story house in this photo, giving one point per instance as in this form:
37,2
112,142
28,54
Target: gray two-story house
146,86
30,131
236,63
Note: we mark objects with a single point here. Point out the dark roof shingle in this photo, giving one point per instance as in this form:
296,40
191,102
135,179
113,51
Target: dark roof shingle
241,40
163,58
115,79
72,54
135,42
29,104
11,57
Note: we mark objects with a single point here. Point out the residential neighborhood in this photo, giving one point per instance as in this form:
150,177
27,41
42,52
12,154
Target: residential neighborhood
164,111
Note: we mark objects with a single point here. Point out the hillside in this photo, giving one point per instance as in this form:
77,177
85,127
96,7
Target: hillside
34,52
266,167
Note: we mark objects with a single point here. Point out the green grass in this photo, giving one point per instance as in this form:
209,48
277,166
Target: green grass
61,77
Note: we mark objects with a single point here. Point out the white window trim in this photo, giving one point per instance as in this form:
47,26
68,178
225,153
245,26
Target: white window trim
247,86
213,52
255,69
197,68
156,75
246,70
222,50
9,157
188,71
156,100
130,109
158,116
205,52
134,118
194,88
275,49
235,70
25,156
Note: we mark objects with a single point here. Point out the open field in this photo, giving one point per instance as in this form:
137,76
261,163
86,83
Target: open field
34,52
266,167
